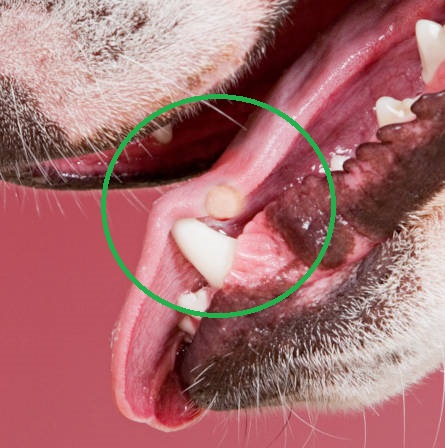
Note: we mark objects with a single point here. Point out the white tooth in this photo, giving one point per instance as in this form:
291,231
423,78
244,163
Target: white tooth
337,162
209,251
431,42
390,111
163,135
198,301
188,326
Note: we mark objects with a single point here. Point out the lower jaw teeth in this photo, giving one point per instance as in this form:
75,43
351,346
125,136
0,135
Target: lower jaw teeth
211,252
197,301
189,325
430,38
392,111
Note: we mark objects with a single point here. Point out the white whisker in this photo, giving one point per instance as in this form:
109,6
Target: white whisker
26,150
207,103
403,409
317,430
365,430
442,403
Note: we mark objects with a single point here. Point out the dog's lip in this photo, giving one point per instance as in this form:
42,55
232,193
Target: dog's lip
144,162
130,387
87,172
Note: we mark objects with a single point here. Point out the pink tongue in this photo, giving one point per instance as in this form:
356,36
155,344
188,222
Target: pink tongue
146,339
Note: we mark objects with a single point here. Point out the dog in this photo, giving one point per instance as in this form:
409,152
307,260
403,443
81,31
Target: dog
74,81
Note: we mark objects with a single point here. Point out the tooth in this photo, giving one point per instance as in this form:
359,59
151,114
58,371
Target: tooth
163,135
431,42
209,251
390,111
188,325
223,202
198,301
337,162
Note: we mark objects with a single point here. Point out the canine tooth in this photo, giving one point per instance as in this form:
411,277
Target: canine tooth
431,42
223,202
209,251
163,135
198,301
390,111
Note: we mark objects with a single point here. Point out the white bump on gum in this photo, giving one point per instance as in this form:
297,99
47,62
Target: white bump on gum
223,202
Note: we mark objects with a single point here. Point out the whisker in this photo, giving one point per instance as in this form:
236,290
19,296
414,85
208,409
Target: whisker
442,403
216,109
195,383
78,202
36,200
403,409
317,430
365,430
138,204
49,202
207,103
48,156
59,205
27,151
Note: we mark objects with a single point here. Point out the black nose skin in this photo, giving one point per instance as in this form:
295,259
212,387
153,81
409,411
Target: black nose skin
26,135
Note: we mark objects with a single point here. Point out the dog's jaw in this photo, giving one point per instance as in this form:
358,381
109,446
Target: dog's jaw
384,333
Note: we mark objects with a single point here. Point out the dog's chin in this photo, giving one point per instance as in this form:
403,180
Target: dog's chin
373,310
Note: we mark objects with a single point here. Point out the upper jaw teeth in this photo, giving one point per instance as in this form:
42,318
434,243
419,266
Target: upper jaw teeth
209,251
391,111
431,43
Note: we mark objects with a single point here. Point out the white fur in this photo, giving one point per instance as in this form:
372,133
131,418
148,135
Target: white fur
91,75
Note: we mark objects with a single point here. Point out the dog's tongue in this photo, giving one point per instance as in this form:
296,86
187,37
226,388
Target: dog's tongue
338,79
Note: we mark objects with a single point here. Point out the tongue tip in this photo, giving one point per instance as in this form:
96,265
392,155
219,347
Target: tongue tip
148,393
167,413
163,416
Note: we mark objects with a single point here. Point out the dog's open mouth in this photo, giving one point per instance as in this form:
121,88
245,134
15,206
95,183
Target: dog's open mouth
248,228
251,210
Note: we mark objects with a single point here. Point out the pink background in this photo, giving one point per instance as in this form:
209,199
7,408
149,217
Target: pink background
61,292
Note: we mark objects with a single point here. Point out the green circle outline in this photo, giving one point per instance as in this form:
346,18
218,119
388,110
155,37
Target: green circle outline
194,99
